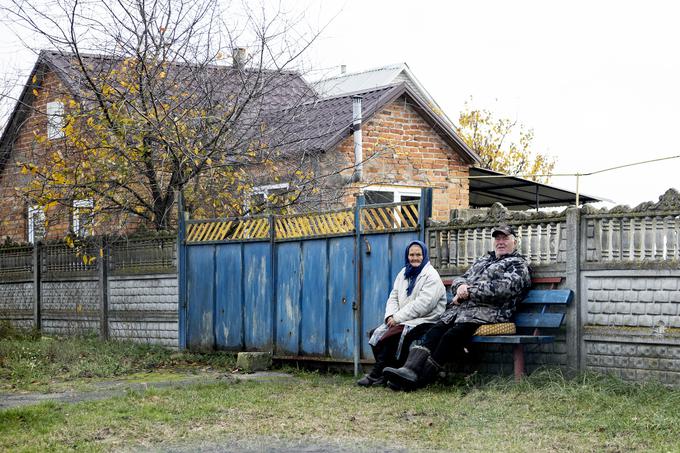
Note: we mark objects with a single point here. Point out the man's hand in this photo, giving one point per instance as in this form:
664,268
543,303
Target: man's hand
391,322
462,292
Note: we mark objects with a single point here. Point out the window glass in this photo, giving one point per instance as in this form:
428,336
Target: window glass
36,224
55,120
264,198
82,217
378,197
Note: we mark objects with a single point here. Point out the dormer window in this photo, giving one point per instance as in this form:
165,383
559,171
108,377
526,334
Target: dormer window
55,120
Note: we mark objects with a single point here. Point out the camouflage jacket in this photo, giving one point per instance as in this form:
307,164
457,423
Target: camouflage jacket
496,286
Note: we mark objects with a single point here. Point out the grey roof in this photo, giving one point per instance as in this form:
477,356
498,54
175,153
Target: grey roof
322,124
488,187
225,84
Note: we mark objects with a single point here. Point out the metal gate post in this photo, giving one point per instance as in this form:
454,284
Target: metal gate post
356,306
424,212
181,273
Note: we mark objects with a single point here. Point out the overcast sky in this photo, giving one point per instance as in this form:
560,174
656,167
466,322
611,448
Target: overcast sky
598,81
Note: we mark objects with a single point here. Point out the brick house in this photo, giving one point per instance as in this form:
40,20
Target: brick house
406,146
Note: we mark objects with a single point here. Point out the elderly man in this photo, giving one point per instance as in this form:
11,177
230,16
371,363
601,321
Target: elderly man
486,294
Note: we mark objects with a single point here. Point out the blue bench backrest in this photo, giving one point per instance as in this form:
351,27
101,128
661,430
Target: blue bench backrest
542,299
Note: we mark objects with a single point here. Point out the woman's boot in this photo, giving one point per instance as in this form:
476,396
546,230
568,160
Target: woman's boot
407,376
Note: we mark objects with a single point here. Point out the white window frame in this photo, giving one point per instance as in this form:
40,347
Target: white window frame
55,120
86,203
265,190
35,213
398,193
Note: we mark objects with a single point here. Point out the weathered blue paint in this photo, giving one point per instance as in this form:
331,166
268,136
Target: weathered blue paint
229,332
259,324
181,274
376,278
341,295
356,306
380,268
294,298
288,276
200,291
314,303
424,211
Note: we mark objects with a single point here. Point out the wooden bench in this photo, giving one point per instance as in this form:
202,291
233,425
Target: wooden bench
535,312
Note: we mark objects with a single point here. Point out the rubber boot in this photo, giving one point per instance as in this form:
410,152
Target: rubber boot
430,372
374,378
407,376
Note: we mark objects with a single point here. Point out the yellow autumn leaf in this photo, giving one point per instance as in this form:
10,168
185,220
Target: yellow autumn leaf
35,92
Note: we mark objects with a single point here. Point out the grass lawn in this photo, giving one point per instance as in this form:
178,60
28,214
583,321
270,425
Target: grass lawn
543,413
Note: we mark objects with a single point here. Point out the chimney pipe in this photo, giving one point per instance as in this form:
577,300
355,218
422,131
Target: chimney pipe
343,68
239,56
358,146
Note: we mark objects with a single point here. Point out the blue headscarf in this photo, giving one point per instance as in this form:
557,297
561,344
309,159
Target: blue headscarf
411,273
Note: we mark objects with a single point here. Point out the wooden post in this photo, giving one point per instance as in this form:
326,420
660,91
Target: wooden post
37,267
574,251
103,283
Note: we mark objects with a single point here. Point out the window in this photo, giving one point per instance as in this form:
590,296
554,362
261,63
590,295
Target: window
387,194
264,197
82,217
36,224
55,120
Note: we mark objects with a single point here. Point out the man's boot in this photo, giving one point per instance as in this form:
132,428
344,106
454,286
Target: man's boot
407,376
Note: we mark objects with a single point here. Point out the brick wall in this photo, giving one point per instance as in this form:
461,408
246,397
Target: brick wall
402,149
13,222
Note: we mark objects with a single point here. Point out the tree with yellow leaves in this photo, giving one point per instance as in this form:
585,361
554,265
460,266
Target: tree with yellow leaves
504,145
157,110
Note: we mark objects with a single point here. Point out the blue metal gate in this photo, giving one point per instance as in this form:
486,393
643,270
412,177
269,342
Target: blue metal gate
299,286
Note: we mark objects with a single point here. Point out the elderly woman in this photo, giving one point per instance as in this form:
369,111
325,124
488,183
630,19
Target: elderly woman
416,301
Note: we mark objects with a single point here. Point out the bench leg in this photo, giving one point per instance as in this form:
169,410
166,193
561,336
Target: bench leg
518,356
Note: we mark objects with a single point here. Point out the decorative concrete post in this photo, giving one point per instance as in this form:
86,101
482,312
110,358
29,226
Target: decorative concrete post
103,283
37,267
574,336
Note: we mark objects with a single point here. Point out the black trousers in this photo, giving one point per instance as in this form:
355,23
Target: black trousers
446,341
386,350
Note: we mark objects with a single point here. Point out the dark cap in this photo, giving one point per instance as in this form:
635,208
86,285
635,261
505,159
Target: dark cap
505,229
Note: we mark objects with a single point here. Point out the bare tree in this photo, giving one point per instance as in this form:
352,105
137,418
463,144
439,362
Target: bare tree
154,104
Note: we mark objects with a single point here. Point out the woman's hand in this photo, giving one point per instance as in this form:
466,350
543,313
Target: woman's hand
391,322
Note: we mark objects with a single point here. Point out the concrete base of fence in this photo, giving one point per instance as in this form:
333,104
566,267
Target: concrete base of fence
250,362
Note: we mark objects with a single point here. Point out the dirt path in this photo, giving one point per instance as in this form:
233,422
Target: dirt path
113,388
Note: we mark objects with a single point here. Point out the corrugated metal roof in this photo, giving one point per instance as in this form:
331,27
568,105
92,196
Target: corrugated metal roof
358,81
488,187
375,78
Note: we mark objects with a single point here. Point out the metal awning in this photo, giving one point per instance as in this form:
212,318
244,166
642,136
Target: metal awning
488,187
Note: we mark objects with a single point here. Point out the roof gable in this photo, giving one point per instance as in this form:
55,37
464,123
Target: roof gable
323,124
